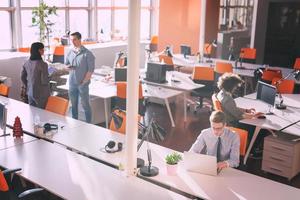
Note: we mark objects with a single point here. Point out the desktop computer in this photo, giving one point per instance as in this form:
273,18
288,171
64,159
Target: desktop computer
185,50
156,72
120,74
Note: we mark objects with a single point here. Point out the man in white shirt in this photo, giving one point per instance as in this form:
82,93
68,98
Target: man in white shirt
219,141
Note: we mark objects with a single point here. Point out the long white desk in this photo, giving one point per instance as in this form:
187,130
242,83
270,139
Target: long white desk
277,121
10,141
107,90
178,81
73,176
89,140
27,114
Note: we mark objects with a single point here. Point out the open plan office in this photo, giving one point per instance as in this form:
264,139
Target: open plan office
150,99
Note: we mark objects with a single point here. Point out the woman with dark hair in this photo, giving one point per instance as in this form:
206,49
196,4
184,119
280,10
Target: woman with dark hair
227,84
35,77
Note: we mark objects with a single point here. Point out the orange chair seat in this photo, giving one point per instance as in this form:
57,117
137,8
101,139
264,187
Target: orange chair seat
57,105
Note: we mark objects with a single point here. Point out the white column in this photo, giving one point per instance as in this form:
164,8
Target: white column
202,27
132,86
253,26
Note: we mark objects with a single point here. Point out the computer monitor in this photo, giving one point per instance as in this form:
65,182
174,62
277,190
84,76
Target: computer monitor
185,50
120,74
3,115
64,41
156,72
266,93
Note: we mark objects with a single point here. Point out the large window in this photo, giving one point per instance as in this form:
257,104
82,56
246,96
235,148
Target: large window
102,20
5,32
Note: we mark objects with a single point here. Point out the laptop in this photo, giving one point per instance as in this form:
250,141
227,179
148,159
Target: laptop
200,163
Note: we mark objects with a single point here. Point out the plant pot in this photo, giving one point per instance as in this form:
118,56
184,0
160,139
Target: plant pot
172,169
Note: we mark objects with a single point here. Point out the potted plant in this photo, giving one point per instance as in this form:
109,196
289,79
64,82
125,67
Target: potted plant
40,18
172,161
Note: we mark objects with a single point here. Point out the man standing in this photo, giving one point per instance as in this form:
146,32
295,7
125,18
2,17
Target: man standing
219,141
81,64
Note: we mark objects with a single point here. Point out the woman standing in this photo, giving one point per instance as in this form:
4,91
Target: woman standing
35,77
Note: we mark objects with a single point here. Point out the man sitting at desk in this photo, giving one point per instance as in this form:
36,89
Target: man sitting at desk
219,141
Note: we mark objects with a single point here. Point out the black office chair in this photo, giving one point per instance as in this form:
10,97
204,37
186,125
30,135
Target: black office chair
9,191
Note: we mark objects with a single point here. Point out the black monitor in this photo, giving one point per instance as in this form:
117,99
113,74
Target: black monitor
266,93
156,72
185,50
64,41
120,74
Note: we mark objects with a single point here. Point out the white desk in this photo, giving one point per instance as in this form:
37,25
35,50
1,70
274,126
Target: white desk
10,141
107,90
277,121
73,176
27,114
229,184
182,82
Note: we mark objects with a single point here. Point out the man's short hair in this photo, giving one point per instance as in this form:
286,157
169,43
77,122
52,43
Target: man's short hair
77,35
228,81
217,117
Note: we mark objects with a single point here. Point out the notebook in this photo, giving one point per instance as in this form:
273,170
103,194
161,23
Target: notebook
200,163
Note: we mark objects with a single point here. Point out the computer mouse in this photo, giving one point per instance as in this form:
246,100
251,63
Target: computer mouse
261,117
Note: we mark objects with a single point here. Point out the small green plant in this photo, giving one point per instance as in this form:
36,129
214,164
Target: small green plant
173,158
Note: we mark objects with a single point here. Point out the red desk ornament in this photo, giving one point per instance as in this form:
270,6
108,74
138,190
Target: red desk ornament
17,129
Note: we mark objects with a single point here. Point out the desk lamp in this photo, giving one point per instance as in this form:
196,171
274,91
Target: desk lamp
296,74
212,44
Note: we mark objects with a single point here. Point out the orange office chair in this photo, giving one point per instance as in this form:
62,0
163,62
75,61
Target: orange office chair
243,139
4,90
221,68
216,103
122,127
57,105
269,74
24,49
167,60
248,55
207,49
284,86
59,54
153,43
297,63
206,76
121,97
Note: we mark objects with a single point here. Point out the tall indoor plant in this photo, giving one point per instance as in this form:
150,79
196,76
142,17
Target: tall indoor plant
40,18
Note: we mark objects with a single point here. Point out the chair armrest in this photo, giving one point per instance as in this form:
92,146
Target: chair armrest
27,193
9,171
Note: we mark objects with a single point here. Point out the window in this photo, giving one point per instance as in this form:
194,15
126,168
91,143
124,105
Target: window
121,23
76,3
79,22
31,3
59,27
5,32
145,24
4,3
57,3
104,3
104,25
30,34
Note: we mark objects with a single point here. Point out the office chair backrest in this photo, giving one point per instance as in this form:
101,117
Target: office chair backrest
4,90
59,54
248,53
284,86
121,90
154,39
57,105
207,49
269,74
297,63
243,134
112,125
3,183
122,128
216,103
166,59
24,49
203,73
222,67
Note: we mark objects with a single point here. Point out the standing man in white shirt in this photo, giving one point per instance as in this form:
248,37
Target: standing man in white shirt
219,141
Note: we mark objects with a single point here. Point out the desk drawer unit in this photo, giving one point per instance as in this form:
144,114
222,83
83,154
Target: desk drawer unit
281,155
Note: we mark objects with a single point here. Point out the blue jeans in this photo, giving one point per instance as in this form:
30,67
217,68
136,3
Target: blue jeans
82,91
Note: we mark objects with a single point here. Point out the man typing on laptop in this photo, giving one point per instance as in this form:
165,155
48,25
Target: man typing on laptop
219,141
